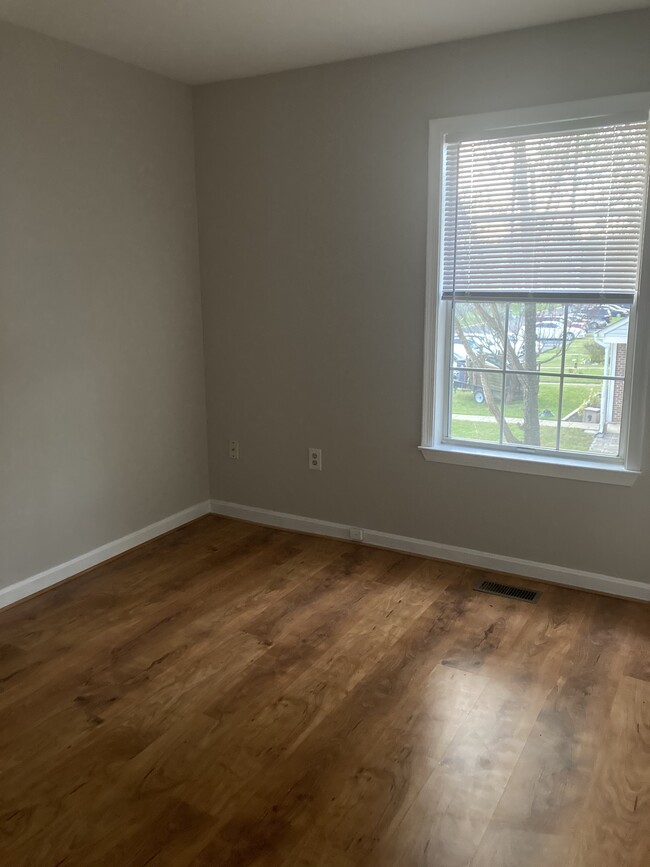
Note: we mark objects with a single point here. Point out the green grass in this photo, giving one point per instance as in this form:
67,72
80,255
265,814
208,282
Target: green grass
575,394
572,439
580,355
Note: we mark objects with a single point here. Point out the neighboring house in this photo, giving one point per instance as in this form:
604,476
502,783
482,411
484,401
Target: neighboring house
614,339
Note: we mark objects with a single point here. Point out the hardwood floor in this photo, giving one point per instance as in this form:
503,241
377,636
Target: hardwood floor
235,695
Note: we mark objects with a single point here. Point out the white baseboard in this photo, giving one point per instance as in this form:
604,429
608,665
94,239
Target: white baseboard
480,559
466,556
35,583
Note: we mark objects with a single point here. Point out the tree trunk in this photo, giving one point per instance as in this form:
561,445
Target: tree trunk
531,383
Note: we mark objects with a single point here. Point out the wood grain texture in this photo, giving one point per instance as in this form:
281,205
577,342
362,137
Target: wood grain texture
235,695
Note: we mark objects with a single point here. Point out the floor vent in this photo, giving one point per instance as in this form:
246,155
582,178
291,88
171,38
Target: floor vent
507,590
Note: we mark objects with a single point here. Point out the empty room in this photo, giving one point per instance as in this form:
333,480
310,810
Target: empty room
324,433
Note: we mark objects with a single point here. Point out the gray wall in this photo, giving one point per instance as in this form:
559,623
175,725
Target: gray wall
312,204
102,404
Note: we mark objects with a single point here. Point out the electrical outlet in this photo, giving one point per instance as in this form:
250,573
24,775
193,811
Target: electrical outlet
234,449
356,534
315,459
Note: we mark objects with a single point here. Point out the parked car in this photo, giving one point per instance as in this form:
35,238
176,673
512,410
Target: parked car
552,329
556,315
598,317
617,310
481,342
549,334
578,327
575,330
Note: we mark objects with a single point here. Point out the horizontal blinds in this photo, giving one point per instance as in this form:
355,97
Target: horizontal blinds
545,215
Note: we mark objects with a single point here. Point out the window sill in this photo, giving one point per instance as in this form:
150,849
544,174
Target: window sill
537,465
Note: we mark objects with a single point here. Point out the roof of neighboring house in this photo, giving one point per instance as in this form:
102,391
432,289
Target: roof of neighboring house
614,333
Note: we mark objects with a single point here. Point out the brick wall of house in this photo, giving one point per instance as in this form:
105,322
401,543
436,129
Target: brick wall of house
619,370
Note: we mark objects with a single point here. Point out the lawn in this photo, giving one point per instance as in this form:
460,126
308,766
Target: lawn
581,355
575,394
572,439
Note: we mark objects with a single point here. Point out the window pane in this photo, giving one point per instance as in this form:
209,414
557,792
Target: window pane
532,410
475,405
591,416
535,336
597,340
479,334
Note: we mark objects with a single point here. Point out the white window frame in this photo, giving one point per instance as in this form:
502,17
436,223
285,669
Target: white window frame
621,471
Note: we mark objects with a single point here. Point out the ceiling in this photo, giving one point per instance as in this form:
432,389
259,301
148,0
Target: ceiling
198,41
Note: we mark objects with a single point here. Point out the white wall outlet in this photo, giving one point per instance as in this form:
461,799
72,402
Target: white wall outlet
234,449
315,459
356,533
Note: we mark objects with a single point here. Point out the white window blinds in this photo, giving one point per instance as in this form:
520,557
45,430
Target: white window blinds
533,215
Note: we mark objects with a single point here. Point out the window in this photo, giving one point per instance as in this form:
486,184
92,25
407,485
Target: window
535,241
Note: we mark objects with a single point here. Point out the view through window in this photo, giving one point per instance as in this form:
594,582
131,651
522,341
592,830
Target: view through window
541,375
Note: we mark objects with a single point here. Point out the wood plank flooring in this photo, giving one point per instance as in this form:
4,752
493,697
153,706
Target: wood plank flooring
235,695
